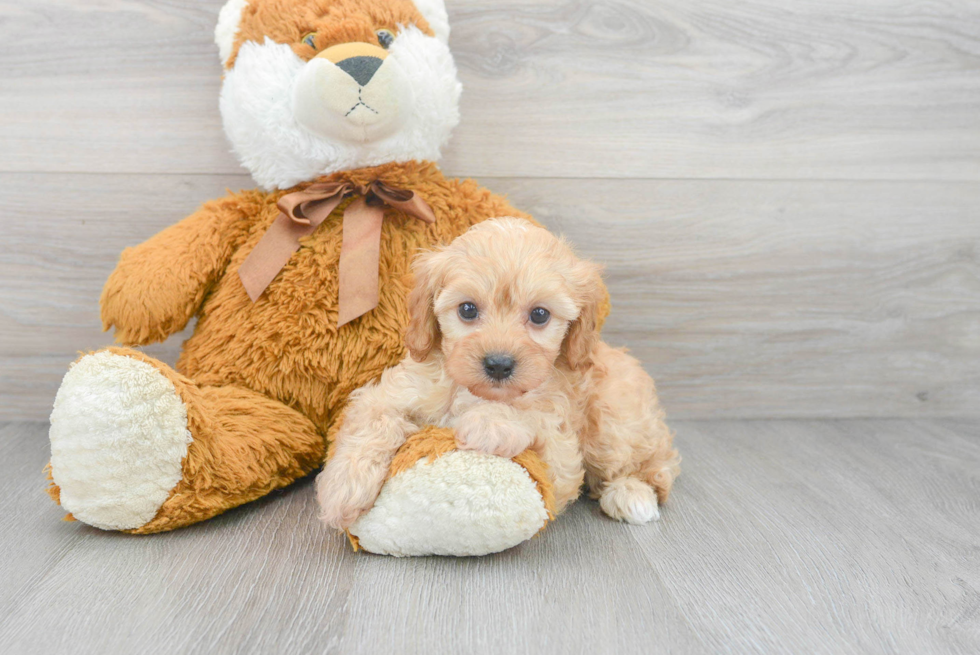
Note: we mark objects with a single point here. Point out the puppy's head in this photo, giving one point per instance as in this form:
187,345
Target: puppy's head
316,86
505,303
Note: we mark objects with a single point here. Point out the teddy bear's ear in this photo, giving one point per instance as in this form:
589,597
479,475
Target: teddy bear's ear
434,12
229,20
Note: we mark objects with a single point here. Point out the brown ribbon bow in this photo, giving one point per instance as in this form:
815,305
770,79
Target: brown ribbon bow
302,213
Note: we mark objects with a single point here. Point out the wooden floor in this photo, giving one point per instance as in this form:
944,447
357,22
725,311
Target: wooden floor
857,536
786,198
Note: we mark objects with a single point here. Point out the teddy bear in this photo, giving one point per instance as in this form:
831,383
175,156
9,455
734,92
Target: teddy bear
338,109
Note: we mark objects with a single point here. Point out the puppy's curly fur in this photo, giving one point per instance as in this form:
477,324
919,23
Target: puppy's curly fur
588,410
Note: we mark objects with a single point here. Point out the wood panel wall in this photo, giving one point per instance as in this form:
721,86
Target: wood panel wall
786,195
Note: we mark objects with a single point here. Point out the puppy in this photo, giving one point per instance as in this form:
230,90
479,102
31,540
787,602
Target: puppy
504,347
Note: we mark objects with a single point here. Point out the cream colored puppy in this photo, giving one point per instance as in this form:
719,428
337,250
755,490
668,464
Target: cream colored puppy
504,348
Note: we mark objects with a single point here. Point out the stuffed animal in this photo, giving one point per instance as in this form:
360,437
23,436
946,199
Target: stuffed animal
338,108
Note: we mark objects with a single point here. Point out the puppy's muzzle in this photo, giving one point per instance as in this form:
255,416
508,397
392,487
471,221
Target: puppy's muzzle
498,367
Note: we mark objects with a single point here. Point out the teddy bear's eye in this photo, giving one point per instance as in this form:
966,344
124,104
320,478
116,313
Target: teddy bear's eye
310,39
385,38
468,311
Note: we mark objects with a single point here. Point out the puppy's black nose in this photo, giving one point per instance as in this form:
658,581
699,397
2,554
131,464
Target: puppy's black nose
362,69
498,367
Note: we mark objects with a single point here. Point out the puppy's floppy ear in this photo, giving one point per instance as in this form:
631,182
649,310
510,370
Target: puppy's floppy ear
423,327
583,334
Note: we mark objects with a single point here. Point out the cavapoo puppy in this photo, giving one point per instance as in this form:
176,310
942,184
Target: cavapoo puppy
504,347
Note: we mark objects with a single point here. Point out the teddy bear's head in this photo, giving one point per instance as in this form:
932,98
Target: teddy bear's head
316,86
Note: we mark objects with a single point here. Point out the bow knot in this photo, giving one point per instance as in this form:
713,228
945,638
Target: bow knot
304,211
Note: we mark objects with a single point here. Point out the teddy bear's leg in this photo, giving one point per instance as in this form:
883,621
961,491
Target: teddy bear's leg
136,446
442,501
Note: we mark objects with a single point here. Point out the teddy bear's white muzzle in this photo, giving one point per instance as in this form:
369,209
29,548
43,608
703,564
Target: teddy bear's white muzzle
359,98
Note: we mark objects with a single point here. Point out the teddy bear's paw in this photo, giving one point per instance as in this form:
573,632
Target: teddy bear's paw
630,500
461,503
118,437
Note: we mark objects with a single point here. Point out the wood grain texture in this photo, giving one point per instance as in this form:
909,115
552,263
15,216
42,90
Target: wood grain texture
781,536
554,88
744,299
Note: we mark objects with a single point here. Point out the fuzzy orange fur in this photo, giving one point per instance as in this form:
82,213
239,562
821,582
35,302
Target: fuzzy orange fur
429,443
329,21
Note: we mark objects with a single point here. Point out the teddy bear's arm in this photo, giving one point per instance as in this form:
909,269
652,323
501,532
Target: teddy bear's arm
160,284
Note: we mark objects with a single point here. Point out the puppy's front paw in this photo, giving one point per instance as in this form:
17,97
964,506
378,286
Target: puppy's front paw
630,500
492,435
341,500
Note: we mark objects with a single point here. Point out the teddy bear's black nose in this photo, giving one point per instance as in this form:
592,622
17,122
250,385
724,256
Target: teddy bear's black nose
361,68
498,367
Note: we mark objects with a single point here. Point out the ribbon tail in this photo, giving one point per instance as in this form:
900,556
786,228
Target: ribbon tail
404,200
271,254
359,260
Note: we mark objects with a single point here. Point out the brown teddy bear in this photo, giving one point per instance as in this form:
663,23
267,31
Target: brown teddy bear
338,109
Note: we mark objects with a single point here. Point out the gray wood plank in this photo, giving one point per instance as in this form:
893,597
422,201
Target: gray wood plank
829,537
782,536
537,598
744,299
78,589
620,88
768,299
24,453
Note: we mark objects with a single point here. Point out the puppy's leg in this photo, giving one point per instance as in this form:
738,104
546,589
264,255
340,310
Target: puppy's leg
499,429
558,446
629,456
375,425
495,429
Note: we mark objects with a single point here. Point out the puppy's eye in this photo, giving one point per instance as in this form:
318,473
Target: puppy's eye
310,39
385,38
468,311
540,315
